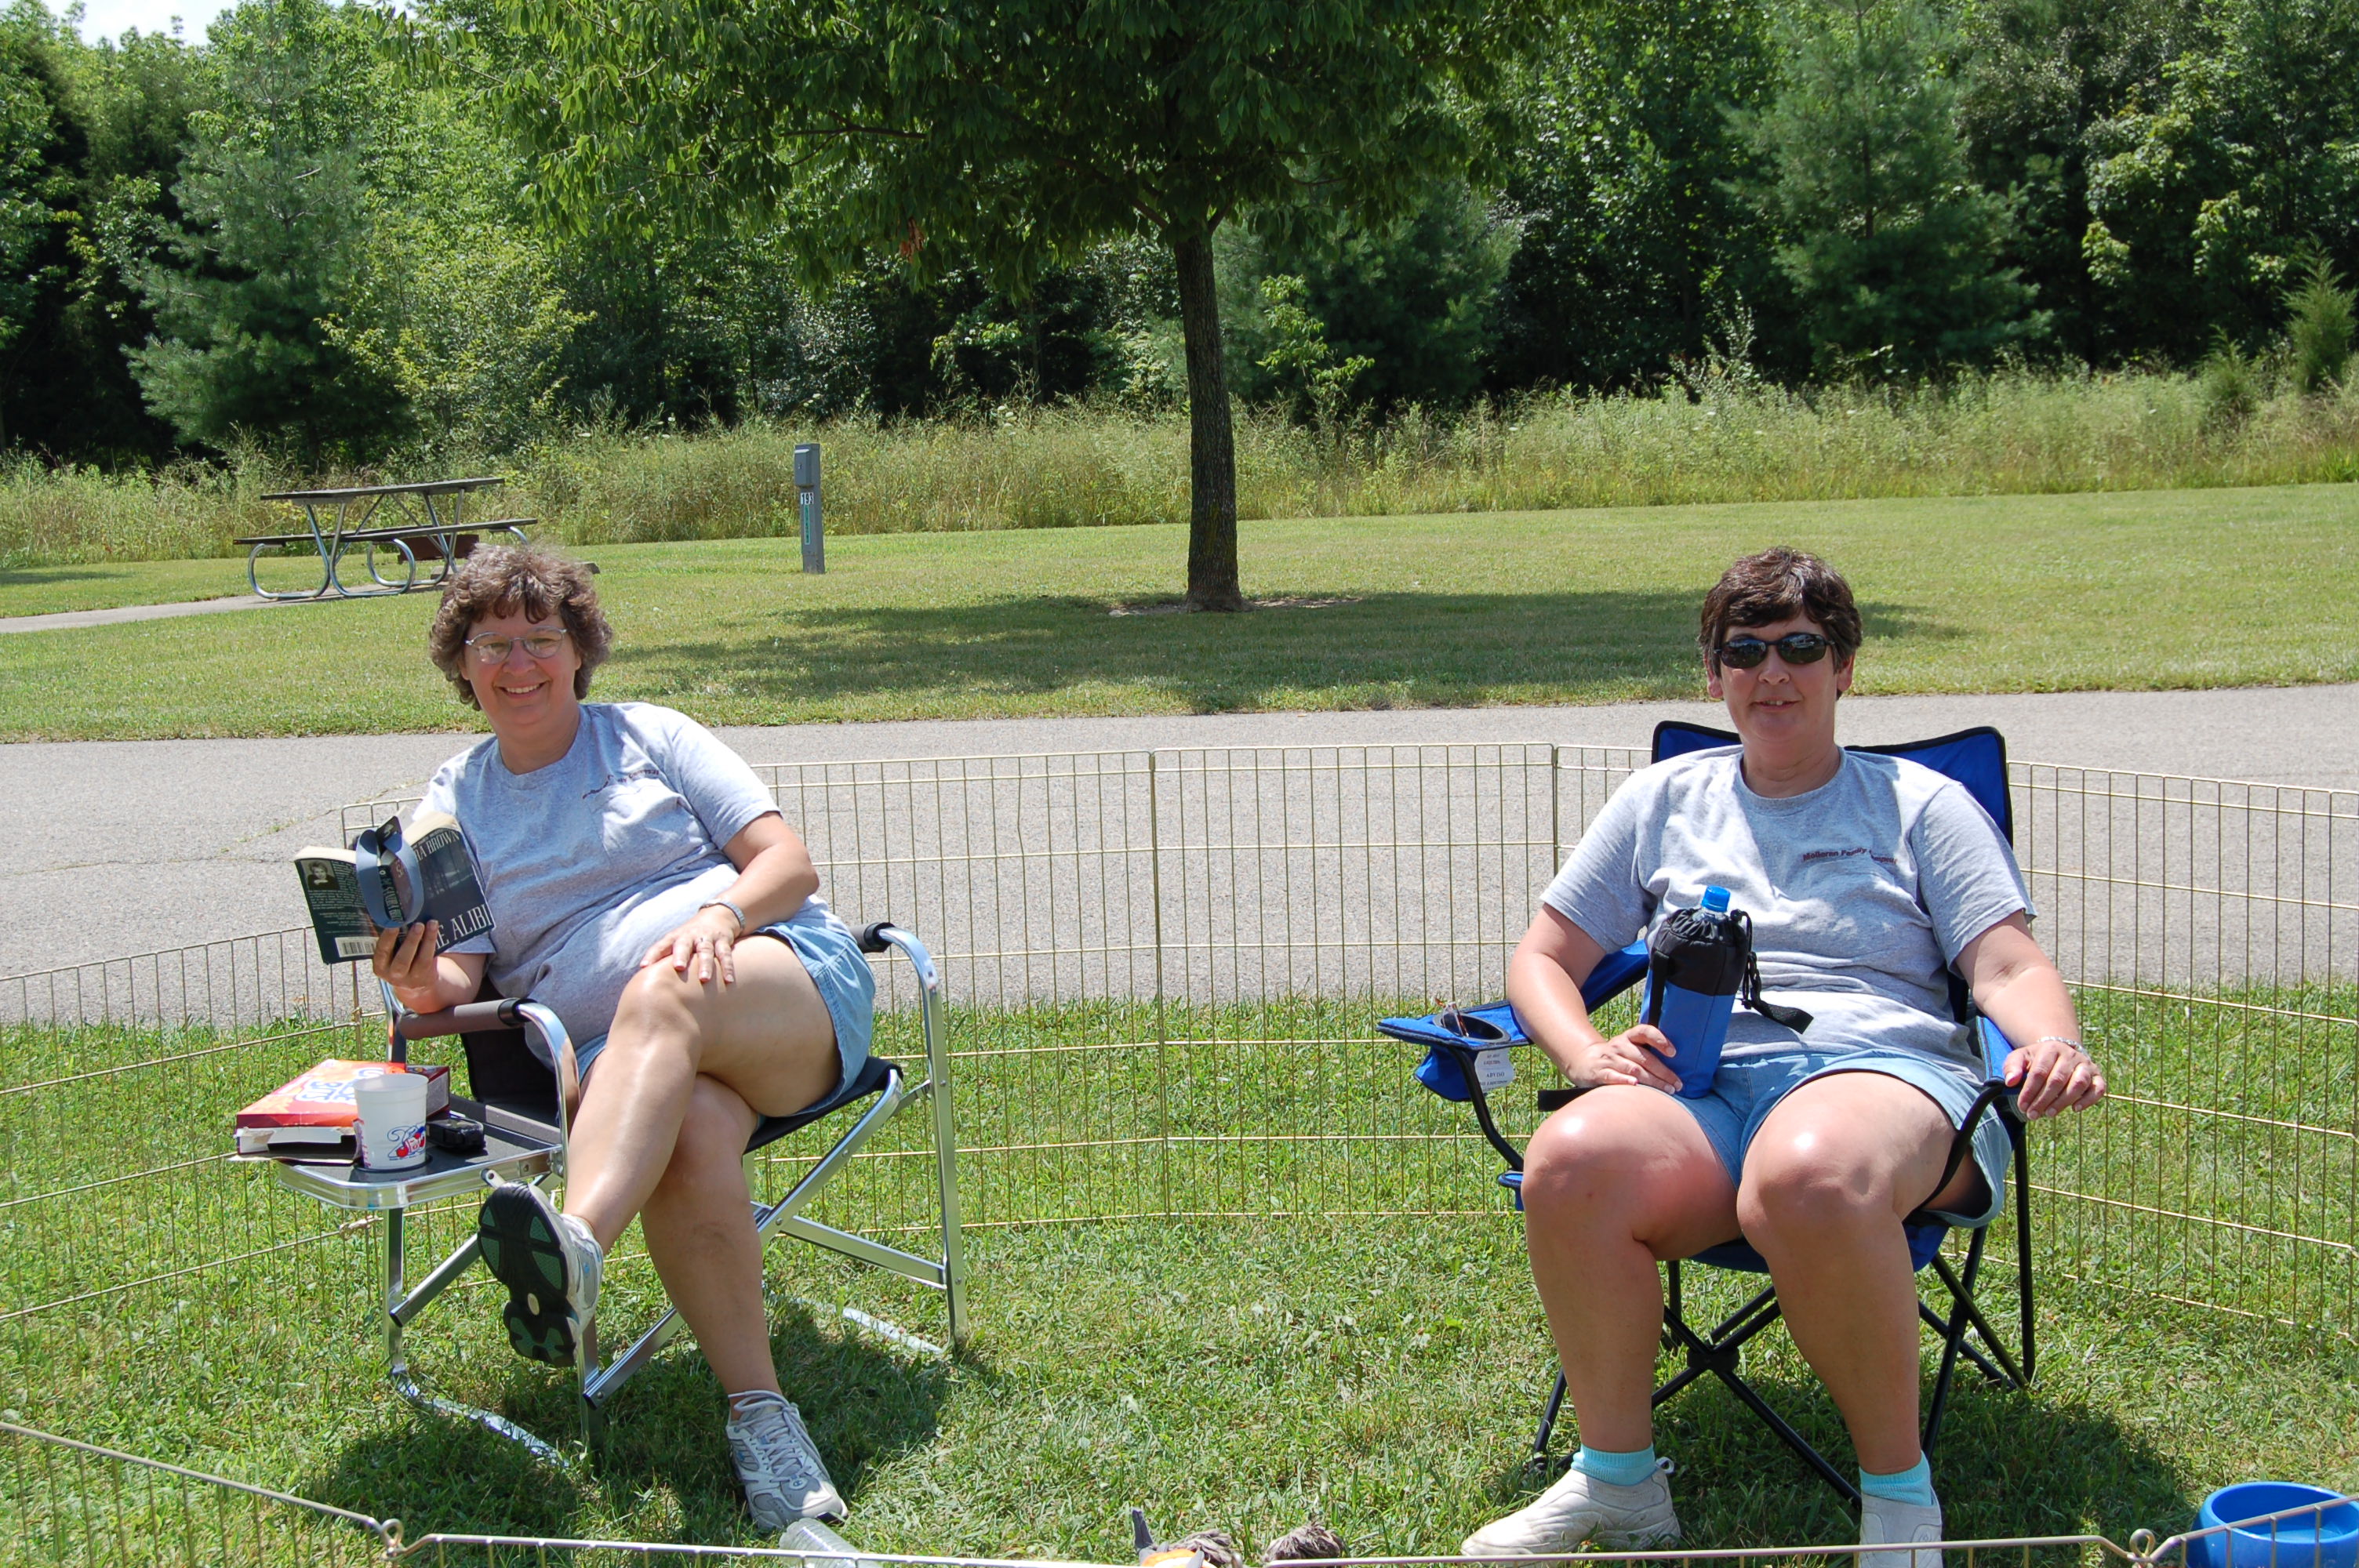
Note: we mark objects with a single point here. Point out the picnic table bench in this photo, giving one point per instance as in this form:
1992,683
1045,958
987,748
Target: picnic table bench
430,525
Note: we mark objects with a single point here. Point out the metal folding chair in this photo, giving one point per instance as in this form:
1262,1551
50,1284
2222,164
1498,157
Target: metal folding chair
525,1131
1467,1059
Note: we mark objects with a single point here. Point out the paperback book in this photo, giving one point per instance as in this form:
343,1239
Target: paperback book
388,880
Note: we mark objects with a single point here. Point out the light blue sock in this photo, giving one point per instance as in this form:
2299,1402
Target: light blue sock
1913,1485
1622,1469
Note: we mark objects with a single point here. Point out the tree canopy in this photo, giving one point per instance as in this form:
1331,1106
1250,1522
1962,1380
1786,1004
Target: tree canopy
1013,133
347,239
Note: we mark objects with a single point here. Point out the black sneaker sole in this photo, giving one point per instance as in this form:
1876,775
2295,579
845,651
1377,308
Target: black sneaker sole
516,1232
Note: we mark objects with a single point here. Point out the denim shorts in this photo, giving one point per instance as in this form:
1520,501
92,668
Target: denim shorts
1745,1091
833,959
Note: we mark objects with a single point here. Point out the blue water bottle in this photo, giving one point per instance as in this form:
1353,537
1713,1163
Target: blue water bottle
1696,963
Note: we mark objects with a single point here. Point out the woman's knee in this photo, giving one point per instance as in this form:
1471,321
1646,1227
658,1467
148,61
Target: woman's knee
1806,1185
657,1007
1592,1163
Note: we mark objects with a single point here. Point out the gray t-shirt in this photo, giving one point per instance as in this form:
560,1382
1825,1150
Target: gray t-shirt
1863,892
589,861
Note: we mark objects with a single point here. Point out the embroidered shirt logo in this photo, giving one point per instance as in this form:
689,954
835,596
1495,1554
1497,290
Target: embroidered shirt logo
1884,861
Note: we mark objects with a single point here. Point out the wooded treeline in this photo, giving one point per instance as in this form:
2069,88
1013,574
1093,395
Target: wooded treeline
316,234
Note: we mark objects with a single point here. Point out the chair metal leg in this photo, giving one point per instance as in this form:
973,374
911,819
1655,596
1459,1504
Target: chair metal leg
1953,1333
1720,1355
1792,1438
1990,1369
400,1306
1981,1325
1547,1422
2023,1248
937,1089
1737,1326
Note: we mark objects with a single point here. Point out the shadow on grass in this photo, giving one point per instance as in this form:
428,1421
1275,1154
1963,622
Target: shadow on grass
2009,1463
1379,650
27,577
863,1404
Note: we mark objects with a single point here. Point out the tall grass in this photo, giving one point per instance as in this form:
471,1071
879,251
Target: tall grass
2013,433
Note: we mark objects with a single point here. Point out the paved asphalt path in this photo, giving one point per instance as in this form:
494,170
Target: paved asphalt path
109,849
67,619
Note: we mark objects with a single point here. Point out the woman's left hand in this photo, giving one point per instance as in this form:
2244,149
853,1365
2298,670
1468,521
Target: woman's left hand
708,941
2051,1075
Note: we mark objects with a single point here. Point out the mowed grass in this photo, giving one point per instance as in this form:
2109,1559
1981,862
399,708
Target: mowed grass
2012,593
53,591
1290,1359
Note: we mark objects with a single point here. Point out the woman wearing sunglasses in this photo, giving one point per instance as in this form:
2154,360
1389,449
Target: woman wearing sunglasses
644,886
1868,880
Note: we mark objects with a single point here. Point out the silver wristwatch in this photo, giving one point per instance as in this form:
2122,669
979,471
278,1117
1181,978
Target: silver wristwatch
725,903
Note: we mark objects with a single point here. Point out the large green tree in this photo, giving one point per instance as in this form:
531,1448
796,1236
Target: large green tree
1415,298
1636,237
26,184
90,144
2041,78
2204,204
1893,249
276,194
1011,133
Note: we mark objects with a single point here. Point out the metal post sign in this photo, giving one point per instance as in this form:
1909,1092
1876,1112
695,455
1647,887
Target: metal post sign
807,491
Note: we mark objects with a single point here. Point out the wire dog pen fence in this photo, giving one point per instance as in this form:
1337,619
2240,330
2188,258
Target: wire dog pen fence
1165,968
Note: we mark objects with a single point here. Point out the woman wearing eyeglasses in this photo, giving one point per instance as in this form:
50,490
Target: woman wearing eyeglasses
644,886
1868,880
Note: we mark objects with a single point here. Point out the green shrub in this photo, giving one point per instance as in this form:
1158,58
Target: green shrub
2318,335
2230,381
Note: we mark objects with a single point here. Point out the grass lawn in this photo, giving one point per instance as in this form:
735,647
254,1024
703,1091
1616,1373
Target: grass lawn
1380,1372
2013,593
51,591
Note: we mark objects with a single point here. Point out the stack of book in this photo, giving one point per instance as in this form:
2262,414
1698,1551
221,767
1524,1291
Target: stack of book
310,1116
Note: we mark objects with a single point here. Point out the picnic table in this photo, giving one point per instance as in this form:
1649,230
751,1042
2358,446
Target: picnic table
409,522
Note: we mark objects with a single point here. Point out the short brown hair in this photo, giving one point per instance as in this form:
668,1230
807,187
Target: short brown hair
1780,584
502,579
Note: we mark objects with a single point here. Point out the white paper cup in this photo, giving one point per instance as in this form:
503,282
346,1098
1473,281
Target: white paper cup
389,1120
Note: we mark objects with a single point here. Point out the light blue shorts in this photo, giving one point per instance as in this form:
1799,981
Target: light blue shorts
1745,1091
837,967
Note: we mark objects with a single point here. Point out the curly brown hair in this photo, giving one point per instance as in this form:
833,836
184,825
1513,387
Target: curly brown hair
1777,584
503,578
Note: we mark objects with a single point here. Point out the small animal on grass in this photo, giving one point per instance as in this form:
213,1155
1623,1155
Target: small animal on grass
1216,1549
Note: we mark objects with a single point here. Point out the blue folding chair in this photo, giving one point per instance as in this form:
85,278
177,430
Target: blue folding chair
1459,1066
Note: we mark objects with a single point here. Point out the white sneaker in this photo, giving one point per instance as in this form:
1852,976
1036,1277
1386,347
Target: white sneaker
1885,1522
1579,1508
551,1264
778,1464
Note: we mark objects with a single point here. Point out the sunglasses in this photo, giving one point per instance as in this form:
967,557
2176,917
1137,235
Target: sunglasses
1794,647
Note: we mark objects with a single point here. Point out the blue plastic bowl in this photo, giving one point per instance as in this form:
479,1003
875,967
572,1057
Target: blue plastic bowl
2328,1539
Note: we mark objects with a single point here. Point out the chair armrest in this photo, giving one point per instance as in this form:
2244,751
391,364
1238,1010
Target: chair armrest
1997,1047
468,1018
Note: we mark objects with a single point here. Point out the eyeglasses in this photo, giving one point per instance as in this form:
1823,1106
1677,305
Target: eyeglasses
490,650
1794,647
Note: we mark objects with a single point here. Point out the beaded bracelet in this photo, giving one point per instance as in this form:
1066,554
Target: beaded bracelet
2059,1040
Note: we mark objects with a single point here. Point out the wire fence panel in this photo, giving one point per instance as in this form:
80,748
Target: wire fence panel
1166,967
66,1504
247,982
2211,931
71,1504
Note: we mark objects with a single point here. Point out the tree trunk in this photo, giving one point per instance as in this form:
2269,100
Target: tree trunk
1212,440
